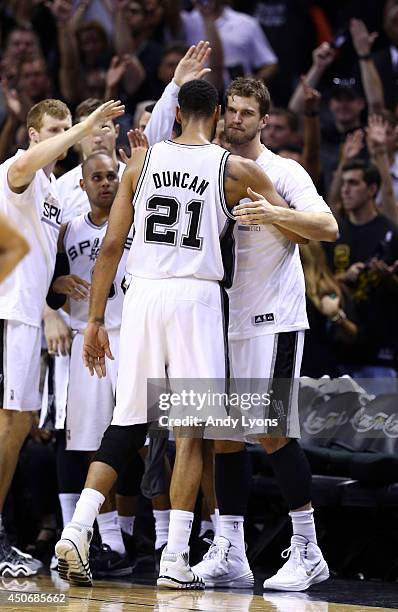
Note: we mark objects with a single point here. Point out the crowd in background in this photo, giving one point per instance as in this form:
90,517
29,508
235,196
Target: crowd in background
332,70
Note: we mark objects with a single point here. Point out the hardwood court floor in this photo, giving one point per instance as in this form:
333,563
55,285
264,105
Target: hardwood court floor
106,596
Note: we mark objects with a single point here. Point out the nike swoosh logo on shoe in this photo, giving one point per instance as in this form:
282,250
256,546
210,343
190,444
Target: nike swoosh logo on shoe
311,571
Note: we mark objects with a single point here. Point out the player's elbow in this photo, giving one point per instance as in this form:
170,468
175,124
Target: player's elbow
112,247
330,229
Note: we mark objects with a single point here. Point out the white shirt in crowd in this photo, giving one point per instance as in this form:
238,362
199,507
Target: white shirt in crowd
268,294
37,214
246,48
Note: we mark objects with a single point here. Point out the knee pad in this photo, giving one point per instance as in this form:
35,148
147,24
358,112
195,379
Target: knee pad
129,480
118,444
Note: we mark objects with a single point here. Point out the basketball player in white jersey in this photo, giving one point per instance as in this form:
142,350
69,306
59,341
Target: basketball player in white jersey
30,199
266,333
179,195
75,202
90,401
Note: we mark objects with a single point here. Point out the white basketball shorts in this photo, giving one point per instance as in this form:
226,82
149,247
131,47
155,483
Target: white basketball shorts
90,400
20,347
171,328
266,370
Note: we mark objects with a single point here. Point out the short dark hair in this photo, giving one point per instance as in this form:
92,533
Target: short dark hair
246,87
370,173
198,98
175,47
85,108
292,118
292,148
93,157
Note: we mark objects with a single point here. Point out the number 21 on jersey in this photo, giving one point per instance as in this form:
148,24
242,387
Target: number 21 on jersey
160,223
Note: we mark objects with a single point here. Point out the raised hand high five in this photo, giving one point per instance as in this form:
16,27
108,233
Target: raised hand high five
105,112
193,64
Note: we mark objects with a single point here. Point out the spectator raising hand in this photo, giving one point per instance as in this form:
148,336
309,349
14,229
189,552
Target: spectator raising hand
376,135
352,146
312,131
376,138
362,41
117,70
322,57
361,38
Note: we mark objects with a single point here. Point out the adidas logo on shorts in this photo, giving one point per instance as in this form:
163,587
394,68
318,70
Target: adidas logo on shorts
261,319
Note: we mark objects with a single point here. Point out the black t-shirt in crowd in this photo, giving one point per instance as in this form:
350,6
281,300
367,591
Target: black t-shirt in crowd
375,301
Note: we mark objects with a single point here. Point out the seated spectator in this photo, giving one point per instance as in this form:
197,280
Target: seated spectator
364,257
282,129
246,49
331,315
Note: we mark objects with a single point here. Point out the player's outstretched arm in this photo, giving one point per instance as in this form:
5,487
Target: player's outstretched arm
13,247
191,66
22,171
240,174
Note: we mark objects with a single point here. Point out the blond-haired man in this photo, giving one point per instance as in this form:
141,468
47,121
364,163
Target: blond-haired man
29,198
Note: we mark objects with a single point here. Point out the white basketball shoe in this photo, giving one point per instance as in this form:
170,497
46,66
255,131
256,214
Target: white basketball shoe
175,572
305,566
225,565
72,552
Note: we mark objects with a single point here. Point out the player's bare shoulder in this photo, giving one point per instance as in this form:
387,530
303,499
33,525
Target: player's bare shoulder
240,173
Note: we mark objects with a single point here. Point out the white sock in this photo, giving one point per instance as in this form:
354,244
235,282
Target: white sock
304,524
88,507
231,527
179,530
68,503
205,526
127,524
214,519
110,532
162,521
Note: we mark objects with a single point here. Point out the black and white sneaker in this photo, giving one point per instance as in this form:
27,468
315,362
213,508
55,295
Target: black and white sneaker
72,552
107,562
15,563
175,572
